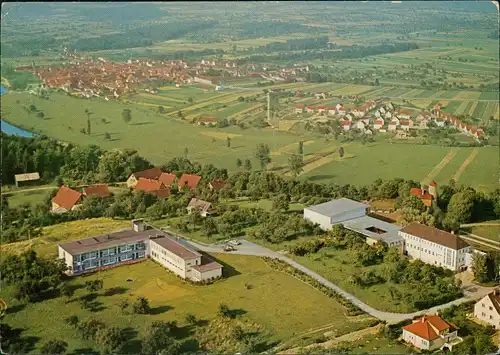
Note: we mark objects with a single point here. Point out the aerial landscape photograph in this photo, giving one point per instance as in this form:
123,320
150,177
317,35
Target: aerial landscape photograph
262,177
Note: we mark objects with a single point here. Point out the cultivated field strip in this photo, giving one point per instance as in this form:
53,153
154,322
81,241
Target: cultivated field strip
289,148
463,106
473,108
422,104
437,169
414,93
462,168
464,95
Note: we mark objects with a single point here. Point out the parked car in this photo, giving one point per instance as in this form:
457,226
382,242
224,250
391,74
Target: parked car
228,248
234,242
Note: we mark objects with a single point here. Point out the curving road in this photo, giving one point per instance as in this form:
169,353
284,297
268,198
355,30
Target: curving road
471,292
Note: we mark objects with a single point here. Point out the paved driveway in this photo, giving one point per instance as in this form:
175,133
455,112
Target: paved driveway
248,248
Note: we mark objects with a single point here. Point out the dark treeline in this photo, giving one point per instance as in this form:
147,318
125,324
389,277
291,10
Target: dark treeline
141,36
337,52
295,44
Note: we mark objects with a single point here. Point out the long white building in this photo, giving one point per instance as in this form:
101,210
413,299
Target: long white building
434,246
335,211
136,244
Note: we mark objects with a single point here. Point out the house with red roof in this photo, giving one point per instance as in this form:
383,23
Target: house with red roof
207,121
487,309
167,179
431,333
331,111
378,124
321,109
346,125
341,111
100,190
357,111
426,195
299,108
154,187
189,181
153,173
310,109
66,200
406,125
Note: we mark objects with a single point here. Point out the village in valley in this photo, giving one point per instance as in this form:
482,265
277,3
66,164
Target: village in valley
266,182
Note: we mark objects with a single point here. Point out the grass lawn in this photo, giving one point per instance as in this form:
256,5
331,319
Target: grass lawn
265,204
337,265
490,232
31,196
375,344
277,301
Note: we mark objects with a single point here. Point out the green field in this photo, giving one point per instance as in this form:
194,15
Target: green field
487,231
269,302
31,196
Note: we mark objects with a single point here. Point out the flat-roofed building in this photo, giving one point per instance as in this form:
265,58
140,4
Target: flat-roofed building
136,244
335,211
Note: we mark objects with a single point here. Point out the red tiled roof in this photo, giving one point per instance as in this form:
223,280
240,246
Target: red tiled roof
435,235
331,108
165,192
418,192
433,183
346,123
149,185
393,123
190,181
153,173
321,107
299,106
167,178
379,122
311,107
100,190
66,197
405,123
425,327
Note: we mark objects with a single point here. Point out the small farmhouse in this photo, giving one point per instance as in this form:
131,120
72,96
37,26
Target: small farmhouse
207,121
154,187
153,173
26,179
431,333
216,184
205,208
488,309
100,190
189,181
66,200
167,179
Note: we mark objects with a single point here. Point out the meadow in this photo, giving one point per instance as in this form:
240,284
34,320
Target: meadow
268,302
490,230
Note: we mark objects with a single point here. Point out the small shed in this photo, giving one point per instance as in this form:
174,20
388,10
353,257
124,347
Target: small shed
27,179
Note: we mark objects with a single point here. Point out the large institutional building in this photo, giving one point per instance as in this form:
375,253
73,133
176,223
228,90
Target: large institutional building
436,247
130,246
431,245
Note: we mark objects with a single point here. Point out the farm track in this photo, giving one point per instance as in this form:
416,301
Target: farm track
474,239
464,165
437,169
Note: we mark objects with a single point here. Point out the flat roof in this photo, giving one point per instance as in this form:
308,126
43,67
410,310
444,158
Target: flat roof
107,241
361,224
175,247
338,206
207,264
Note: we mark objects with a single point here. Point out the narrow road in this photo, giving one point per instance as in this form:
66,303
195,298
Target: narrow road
247,248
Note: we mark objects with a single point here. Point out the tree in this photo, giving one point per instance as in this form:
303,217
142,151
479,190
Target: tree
89,327
88,127
41,115
191,319
480,267
377,82
93,285
161,109
66,291
190,100
72,320
238,163
88,112
159,340
224,311
54,347
141,306
127,115
186,151
281,203
341,152
123,305
107,136
209,227
228,142
248,165
296,163
300,151
262,153
32,108
110,339
461,206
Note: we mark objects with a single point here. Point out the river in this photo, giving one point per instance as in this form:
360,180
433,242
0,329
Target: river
7,128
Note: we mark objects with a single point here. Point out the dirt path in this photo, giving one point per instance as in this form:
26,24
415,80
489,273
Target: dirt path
437,169
480,224
350,337
469,160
